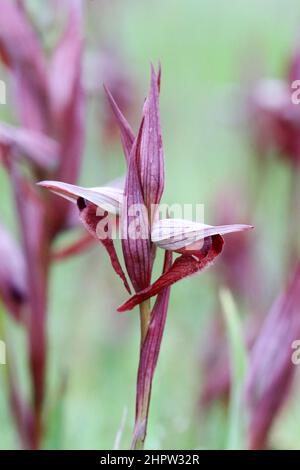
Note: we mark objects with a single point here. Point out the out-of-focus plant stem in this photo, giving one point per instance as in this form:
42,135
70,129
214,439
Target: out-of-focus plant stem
20,411
37,267
293,215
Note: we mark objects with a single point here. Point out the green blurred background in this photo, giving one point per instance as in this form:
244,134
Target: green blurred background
208,50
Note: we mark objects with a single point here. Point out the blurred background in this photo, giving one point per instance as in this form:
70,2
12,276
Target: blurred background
213,53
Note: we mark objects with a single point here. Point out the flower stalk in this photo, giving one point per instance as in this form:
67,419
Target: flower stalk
148,360
142,403
145,316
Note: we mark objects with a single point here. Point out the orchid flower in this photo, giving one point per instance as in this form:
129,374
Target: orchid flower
49,137
142,232
274,116
271,370
274,119
51,134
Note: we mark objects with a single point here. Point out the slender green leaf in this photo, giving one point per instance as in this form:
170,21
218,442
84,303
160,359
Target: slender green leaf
238,361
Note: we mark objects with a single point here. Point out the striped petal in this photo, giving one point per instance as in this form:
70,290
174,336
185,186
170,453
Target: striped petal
178,234
127,136
135,226
108,198
184,266
151,153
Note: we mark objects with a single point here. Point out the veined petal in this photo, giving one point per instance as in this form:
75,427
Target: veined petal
109,199
36,147
184,266
136,242
127,135
176,234
151,154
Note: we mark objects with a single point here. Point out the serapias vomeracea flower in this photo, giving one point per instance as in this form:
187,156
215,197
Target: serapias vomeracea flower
49,100
271,370
275,114
50,109
142,232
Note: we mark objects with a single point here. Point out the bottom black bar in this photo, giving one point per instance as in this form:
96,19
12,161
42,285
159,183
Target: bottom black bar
131,459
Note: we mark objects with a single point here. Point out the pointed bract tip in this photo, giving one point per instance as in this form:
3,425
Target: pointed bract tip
108,198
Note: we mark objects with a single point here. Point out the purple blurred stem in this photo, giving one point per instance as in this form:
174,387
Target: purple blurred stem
35,242
293,232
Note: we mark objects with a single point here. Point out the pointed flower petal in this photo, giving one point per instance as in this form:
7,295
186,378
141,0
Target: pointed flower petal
143,191
184,266
151,154
135,226
127,136
176,234
109,199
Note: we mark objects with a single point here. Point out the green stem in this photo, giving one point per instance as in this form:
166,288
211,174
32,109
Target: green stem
140,427
145,316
